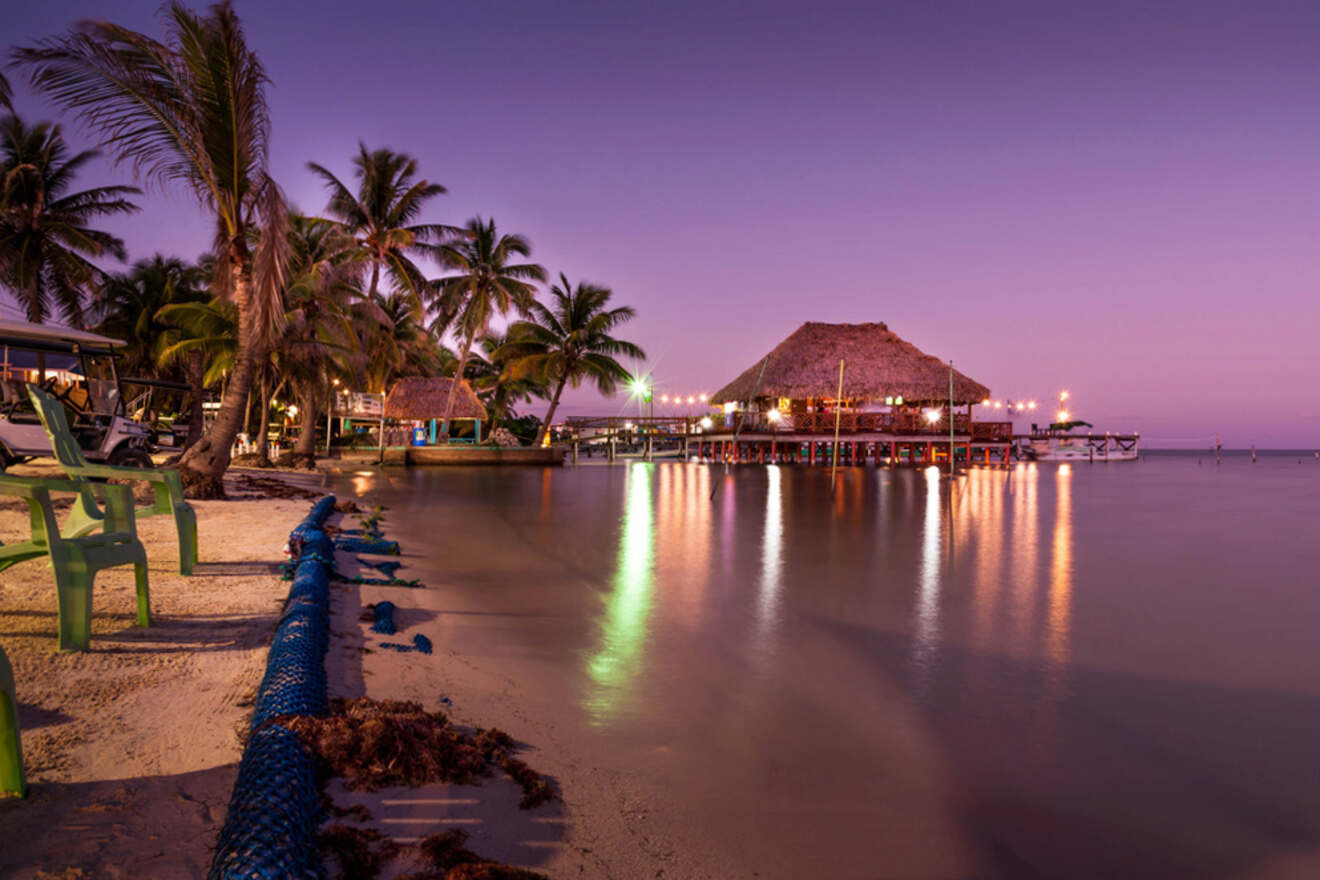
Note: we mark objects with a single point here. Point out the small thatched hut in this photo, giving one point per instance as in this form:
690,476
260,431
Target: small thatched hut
424,398
879,367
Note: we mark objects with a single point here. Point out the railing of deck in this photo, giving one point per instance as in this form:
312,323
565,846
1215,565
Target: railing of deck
863,422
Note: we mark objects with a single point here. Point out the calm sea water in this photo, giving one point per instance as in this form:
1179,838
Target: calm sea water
1054,671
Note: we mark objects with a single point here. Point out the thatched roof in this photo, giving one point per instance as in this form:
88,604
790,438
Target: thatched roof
877,364
418,397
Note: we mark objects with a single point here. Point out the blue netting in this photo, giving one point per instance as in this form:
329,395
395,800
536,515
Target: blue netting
270,829
368,545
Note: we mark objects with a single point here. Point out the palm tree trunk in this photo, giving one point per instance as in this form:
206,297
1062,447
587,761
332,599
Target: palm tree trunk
248,417
305,451
203,466
197,416
550,414
263,428
458,377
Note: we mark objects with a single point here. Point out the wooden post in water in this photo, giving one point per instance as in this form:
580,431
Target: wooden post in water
969,424
838,412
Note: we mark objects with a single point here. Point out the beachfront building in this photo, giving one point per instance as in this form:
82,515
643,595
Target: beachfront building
416,404
891,403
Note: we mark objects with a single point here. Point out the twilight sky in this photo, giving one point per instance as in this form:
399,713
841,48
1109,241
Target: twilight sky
1114,198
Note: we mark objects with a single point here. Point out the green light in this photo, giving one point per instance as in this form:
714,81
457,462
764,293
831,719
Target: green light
640,388
623,627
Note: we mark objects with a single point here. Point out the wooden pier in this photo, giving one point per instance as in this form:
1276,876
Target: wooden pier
878,438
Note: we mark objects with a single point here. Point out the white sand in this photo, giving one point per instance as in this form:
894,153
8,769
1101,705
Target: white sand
132,747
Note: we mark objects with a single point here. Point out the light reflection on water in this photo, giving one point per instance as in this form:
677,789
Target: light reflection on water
987,519
623,624
1099,670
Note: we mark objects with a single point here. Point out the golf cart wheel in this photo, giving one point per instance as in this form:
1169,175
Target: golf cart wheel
130,456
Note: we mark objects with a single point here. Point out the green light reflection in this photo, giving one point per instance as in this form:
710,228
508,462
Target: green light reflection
623,626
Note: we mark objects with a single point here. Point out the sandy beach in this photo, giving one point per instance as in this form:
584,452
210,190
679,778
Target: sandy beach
131,747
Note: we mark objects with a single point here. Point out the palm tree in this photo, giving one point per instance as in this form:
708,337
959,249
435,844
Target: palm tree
381,215
128,307
319,335
570,341
190,109
495,383
45,236
6,94
398,343
488,284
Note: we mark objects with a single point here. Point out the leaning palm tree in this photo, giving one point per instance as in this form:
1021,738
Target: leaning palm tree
570,341
46,240
381,215
190,109
487,284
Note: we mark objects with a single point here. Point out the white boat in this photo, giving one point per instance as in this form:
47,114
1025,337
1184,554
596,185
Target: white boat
1065,442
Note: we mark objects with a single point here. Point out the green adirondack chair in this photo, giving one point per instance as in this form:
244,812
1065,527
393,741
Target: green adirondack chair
12,781
76,560
164,482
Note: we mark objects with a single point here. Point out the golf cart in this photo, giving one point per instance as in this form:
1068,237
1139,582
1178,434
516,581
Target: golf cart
79,369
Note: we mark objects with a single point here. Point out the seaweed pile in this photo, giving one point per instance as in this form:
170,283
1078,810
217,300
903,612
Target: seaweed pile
272,487
376,743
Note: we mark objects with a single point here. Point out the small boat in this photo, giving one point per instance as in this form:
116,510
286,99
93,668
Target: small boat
1064,441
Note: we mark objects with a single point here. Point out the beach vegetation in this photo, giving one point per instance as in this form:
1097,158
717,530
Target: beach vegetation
48,234
570,341
189,110
487,282
382,216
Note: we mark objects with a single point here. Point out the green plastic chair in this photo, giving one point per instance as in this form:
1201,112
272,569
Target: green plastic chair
12,782
76,560
165,483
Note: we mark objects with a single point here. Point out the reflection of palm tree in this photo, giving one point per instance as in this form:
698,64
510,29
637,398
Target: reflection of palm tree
487,284
381,215
190,109
45,236
570,341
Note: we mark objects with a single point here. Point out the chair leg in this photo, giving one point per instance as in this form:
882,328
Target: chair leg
12,781
185,524
73,589
143,594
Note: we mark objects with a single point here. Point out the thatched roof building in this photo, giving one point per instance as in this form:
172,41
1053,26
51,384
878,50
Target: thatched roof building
425,397
877,364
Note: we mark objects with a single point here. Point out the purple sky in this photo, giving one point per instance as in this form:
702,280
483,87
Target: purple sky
1119,199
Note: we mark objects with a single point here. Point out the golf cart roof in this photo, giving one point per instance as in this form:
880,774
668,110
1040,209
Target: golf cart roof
45,337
